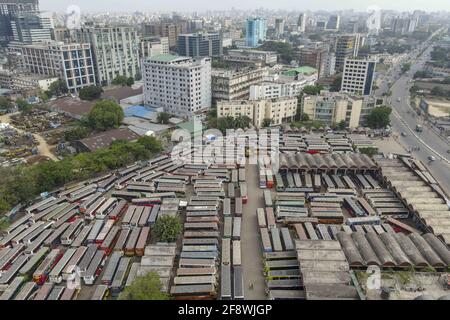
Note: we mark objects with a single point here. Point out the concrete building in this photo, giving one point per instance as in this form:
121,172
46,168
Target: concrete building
255,32
8,10
235,84
180,85
18,81
314,56
153,46
277,110
279,86
346,47
332,107
358,76
115,51
71,62
279,27
251,56
301,23
200,45
333,23
30,27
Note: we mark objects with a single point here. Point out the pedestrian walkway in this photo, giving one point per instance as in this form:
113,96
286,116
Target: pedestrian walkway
252,258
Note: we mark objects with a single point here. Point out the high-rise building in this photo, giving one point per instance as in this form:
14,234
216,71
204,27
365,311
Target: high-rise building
345,48
115,51
314,56
179,85
333,22
255,32
279,27
71,62
301,23
9,9
358,76
31,27
200,45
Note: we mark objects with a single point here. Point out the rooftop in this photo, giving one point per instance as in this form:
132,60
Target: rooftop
303,70
166,58
104,139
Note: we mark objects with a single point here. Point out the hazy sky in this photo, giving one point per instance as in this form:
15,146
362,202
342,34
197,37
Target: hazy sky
202,5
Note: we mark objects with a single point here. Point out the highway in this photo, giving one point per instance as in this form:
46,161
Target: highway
404,120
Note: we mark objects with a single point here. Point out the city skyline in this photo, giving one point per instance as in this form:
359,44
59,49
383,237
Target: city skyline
203,5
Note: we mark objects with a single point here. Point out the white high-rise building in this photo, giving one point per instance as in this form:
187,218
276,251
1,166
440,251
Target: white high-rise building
180,85
358,76
301,23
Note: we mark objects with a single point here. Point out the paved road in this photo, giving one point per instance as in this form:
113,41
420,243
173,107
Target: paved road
251,240
404,120
43,147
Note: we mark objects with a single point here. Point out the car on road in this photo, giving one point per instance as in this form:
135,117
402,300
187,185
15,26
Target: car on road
431,158
403,134
398,99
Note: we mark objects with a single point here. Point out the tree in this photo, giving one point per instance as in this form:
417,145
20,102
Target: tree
312,90
406,67
57,88
105,115
90,93
151,143
148,287
342,125
304,117
167,228
23,106
163,117
5,104
336,85
379,117
284,49
266,122
130,81
242,122
77,133
123,81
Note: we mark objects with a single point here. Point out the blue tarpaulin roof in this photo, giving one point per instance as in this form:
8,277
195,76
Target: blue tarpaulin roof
140,111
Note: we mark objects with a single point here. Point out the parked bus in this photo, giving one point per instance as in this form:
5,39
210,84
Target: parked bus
270,218
267,246
96,228
268,198
142,241
243,191
261,217
118,209
100,293
227,227
81,237
225,282
122,239
104,231
71,266
34,261
94,268
238,207
130,247
241,174
120,276
44,291
279,183
269,179
108,243
287,239
353,208
87,258
237,228
106,208
237,257
55,275
238,283
226,251
40,275
226,207
111,268
262,179
275,233
71,232
25,291
231,191
90,211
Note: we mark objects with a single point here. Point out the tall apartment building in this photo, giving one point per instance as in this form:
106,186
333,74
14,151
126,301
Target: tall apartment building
301,23
255,32
71,62
358,76
180,85
200,44
279,27
115,51
346,47
235,85
168,29
8,10
277,110
153,46
333,22
314,56
30,27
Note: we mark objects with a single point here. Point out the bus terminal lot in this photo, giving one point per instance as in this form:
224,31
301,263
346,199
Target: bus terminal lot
305,229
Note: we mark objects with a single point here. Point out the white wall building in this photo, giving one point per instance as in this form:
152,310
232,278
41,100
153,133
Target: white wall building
358,76
180,85
277,110
281,86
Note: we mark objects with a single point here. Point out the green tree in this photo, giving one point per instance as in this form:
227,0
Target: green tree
406,67
130,81
148,287
304,117
120,81
342,125
163,117
312,90
167,228
57,88
336,85
90,93
379,117
284,50
151,143
5,104
77,133
266,122
370,151
105,115
23,106
242,122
